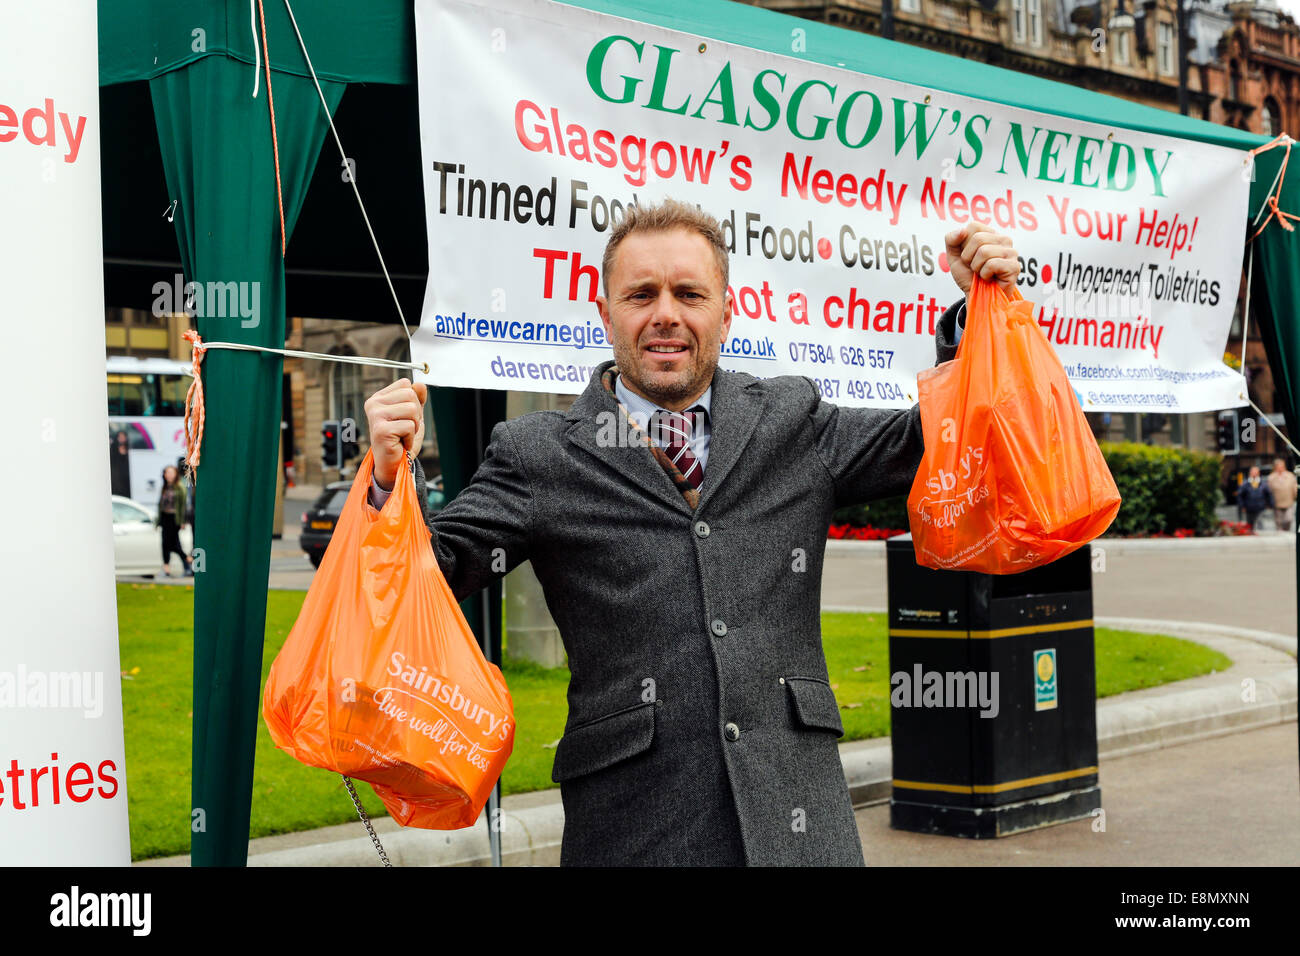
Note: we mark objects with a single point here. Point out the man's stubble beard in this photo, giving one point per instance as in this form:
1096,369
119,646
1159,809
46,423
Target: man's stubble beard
625,359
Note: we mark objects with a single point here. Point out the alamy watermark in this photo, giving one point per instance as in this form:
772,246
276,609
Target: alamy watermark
922,688
25,689
209,300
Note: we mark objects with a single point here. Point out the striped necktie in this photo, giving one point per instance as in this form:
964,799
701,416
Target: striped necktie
672,431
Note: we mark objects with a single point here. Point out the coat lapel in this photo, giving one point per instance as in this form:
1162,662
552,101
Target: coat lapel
734,414
588,418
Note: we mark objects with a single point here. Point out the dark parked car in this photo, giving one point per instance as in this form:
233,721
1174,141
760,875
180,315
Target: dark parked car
318,521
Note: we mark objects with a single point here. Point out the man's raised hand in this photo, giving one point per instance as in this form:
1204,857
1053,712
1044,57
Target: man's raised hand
395,415
977,248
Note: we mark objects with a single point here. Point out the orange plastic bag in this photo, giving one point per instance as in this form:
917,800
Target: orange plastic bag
1011,477
381,678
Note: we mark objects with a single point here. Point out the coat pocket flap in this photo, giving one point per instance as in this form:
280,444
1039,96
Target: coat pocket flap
603,742
815,705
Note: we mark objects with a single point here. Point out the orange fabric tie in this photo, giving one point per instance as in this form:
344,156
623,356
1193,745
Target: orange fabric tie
194,406
1271,201
275,143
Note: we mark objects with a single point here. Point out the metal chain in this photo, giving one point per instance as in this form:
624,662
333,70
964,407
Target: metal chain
361,811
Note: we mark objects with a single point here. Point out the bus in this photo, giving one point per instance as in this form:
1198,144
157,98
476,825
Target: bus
146,399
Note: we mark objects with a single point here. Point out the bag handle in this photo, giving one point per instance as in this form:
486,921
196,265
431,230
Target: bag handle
980,300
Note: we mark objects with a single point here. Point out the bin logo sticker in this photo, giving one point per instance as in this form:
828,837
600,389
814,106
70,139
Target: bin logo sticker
1045,679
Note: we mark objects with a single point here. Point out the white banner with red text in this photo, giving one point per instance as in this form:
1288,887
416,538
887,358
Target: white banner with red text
62,761
540,123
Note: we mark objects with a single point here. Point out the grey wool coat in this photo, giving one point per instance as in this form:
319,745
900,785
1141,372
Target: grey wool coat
702,727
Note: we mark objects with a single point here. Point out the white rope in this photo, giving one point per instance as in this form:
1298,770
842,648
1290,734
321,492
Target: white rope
351,178
1245,319
295,353
1249,273
1269,422
1249,269
257,49
1246,316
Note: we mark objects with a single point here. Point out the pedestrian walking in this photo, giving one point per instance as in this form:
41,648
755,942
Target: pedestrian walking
119,463
1282,486
171,518
1254,496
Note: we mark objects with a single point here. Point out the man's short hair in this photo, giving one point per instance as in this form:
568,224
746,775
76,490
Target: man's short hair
669,214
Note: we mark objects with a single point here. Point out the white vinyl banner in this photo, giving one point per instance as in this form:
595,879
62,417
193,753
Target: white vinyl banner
62,763
541,122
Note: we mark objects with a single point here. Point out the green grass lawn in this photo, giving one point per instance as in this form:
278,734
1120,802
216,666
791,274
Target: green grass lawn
156,638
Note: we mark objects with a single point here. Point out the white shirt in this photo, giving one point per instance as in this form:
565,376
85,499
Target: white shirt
641,409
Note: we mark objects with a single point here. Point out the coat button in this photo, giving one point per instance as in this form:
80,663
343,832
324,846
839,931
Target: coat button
732,731
718,628
701,529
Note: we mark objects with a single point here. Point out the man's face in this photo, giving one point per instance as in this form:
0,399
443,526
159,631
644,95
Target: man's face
667,315
1254,472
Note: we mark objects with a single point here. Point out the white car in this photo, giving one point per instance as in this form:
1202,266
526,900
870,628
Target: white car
137,543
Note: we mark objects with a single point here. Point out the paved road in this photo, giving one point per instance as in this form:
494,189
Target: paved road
1236,582
1249,584
1240,583
1227,801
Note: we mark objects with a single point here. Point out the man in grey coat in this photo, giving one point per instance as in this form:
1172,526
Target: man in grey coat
676,518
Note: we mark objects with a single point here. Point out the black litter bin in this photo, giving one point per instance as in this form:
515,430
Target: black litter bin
993,696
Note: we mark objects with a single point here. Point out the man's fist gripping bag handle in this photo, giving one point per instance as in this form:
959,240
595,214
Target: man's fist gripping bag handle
1011,477
381,678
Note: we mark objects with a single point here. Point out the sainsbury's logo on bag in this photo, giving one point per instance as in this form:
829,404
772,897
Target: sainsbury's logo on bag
437,691
947,480
954,491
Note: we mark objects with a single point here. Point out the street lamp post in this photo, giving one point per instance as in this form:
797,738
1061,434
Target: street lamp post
887,19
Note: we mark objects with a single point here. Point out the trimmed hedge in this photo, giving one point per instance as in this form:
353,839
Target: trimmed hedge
885,513
1163,490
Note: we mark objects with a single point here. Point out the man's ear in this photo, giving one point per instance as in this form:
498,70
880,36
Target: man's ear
726,316
602,306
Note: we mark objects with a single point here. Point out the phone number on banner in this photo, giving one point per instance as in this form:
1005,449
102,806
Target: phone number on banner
858,388
853,357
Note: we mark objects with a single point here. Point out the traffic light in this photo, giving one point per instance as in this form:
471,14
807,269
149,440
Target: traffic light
329,444
348,448
1228,432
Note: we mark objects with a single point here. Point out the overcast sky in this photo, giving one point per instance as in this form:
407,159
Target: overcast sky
1292,7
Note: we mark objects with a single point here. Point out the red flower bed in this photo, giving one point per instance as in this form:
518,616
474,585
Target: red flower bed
852,533
1235,528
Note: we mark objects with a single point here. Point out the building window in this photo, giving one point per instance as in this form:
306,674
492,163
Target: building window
1165,47
910,6
1234,77
1270,118
1018,21
1036,22
346,398
1121,46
